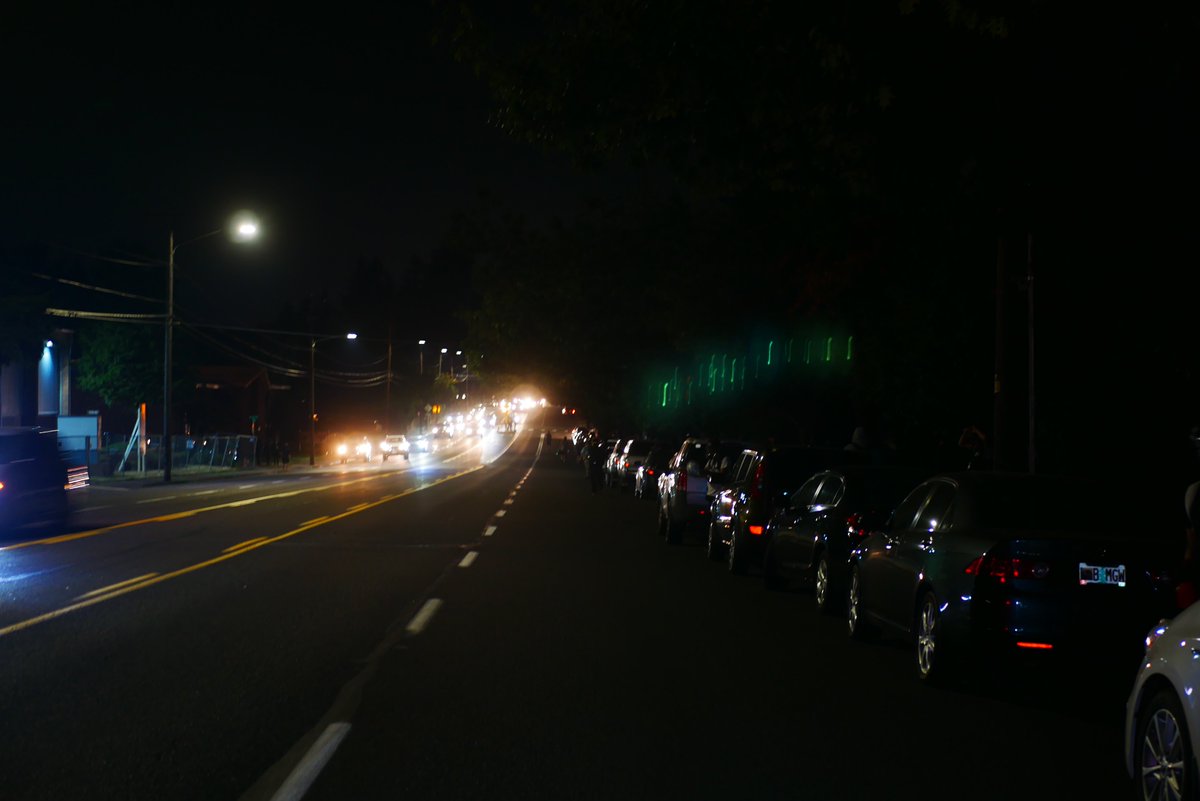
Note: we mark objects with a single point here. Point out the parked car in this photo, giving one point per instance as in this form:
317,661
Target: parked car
1012,562
33,479
811,537
720,515
630,459
1162,720
645,480
764,480
683,490
723,458
612,463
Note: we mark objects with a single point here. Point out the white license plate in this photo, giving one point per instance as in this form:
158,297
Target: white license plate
1100,574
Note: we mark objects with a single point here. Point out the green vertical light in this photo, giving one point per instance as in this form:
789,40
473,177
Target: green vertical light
712,374
808,351
666,386
733,372
849,348
829,349
724,365
770,351
743,376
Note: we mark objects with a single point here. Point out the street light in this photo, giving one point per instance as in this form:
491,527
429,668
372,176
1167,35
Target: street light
440,360
243,228
312,392
421,358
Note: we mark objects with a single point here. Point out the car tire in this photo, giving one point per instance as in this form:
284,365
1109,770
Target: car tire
714,546
856,622
933,664
735,558
822,589
1163,750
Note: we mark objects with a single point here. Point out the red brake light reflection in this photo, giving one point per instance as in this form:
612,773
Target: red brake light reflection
1039,646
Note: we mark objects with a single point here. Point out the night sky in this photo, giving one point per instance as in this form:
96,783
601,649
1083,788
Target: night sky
346,131
852,165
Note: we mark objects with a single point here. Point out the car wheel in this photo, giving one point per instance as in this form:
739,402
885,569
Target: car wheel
1164,750
736,559
713,547
821,590
932,664
856,622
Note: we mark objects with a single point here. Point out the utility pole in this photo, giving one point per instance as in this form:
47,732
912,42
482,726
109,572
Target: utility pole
387,398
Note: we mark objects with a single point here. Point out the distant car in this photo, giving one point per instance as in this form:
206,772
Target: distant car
1014,563
1162,720
645,479
394,445
33,479
420,443
363,449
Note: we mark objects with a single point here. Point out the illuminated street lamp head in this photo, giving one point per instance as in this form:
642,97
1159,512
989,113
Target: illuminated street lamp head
458,353
420,342
443,350
244,227
352,335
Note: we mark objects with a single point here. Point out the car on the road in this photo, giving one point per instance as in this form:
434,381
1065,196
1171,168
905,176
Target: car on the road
1162,719
765,478
33,479
683,490
394,445
1008,563
626,465
645,480
809,540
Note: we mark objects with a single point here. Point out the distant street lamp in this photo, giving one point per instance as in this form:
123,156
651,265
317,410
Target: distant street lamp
243,228
312,391
440,360
421,358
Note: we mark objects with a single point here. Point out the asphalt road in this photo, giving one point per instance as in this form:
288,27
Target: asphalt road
480,629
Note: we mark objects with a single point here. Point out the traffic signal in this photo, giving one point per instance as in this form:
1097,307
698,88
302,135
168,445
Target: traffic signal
437,408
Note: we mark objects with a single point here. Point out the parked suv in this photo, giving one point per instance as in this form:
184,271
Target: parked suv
33,479
683,490
763,482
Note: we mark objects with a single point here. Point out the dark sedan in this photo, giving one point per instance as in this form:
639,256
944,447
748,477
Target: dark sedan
1014,563
811,538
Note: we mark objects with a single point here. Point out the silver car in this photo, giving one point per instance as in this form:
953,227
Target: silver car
1162,715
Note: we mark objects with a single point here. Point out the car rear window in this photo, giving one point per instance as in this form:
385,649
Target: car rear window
1068,505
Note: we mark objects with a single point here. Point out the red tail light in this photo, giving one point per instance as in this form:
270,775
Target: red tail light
756,486
755,530
1039,646
1002,568
626,464
855,528
681,482
650,472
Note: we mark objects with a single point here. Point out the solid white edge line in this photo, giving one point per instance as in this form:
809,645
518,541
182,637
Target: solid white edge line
306,772
421,619
468,559
489,531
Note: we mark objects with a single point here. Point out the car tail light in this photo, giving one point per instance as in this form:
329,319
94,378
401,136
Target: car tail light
681,481
626,464
1002,568
650,472
1,485
756,486
856,528
755,530
1037,646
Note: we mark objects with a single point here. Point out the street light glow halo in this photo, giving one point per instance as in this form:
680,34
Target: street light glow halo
244,226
